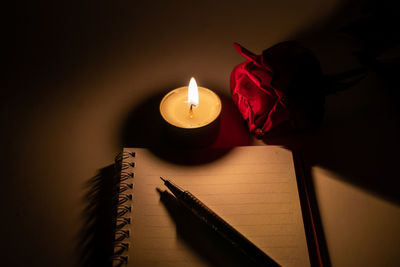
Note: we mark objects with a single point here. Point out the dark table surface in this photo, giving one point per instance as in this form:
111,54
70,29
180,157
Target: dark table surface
80,78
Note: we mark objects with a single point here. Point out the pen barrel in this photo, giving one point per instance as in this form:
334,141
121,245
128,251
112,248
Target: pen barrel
225,230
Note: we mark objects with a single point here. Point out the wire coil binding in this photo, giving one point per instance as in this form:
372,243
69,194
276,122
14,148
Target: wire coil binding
124,162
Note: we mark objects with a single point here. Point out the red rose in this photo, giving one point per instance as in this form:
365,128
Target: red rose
281,87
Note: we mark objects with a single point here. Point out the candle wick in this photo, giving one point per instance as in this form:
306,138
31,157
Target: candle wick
191,111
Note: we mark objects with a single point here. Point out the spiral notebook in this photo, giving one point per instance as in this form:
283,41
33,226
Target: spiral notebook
253,188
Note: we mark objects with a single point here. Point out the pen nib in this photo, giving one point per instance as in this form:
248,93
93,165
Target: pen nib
163,179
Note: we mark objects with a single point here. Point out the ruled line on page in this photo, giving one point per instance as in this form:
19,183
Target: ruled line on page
219,184
173,174
256,213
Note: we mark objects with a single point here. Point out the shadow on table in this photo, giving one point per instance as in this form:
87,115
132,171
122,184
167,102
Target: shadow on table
96,238
358,139
144,127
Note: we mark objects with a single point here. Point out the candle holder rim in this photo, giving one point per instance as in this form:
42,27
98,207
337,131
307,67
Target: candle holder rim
186,87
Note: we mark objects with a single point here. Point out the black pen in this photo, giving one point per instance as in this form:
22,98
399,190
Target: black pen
219,225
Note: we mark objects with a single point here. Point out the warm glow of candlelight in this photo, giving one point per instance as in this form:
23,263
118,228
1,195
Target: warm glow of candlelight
193,93
190,107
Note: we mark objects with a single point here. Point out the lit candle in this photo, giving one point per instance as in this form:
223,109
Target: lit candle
190,107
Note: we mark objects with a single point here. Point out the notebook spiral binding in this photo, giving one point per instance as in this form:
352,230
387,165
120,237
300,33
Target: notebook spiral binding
124,162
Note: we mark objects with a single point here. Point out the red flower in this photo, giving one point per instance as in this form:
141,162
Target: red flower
281,87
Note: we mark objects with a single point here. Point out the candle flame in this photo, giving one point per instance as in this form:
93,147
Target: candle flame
193,93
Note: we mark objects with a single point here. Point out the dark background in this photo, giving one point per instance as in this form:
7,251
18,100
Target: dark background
75,72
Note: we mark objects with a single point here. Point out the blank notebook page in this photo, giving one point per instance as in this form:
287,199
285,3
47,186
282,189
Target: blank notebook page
253,188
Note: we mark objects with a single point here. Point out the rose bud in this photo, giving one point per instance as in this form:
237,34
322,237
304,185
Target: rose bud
281,89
